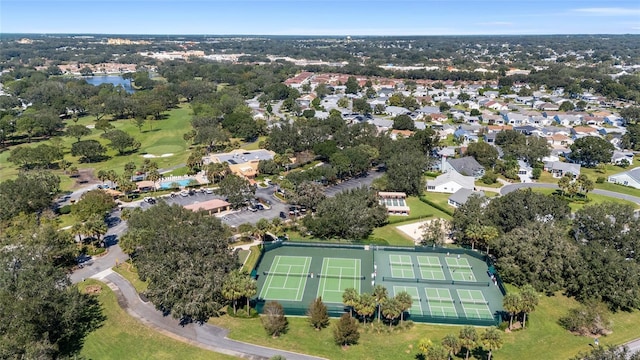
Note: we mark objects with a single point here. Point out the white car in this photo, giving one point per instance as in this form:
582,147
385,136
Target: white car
208,190
184,193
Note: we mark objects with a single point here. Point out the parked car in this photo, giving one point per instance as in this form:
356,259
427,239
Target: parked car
184,193
252,209
191,192
283,215
208,190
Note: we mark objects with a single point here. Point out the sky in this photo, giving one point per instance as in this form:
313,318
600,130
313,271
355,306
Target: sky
321,17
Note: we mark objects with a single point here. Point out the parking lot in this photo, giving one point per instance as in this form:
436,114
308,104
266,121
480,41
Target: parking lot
237,217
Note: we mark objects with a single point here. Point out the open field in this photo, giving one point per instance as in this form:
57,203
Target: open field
123,337
156,138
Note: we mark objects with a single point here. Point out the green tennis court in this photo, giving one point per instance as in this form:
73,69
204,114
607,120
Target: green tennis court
286,278
457,262
440,302
401,266
416,308
428,261
462,274
337,275
474,304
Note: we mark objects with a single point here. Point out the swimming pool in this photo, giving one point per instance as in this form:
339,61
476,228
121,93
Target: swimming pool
181,183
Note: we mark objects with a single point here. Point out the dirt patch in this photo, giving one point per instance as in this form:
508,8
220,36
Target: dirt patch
85,177
93,289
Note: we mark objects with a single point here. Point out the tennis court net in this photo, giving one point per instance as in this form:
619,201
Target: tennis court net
401,264
442,301
441,282
465,267
329,276
430,266
472,301
271,273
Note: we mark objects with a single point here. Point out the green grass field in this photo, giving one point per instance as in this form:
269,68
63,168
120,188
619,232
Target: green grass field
123,337
543,338
593,199
161,137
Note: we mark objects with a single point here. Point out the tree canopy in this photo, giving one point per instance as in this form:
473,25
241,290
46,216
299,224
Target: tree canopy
185,257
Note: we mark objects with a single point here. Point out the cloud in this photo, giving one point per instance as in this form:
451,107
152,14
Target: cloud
609,11
496,23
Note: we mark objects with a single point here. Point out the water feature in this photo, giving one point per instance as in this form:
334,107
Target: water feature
109,79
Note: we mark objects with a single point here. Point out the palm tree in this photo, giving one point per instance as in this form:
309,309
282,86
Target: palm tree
379,294
405,301
473,233
365,306
249,289
452,344
350,299
511,303
391,309
153,175
468,339
79,230
491,340
529,301
233,288
489,234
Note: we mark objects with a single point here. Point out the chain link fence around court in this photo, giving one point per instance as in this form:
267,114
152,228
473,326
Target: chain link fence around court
368,254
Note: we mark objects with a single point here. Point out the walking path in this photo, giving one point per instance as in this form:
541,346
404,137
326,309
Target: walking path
206,336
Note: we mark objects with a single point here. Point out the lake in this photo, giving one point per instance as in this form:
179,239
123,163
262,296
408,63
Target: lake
109,79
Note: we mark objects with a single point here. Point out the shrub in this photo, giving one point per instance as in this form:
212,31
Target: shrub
600,180
591,318
489,178
65,210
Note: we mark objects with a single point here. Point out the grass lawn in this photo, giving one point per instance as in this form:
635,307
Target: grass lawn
593,199
303,338
618,188
253,145
496,185
543,338
251,259
156,138
129,272
419,211
123,337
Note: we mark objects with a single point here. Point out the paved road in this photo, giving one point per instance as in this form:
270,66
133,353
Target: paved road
513,187
634,346
205,336
353,183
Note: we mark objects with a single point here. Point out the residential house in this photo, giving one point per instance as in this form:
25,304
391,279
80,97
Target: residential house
526,129
396,110
461,197
627,178
558,169
490,138
515,119
467,166
568,120
450,182
525,171
582,131
614,120
465,135
495,105
547,106
619,157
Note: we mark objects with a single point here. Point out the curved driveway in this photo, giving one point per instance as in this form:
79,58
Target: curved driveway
513,187
205,336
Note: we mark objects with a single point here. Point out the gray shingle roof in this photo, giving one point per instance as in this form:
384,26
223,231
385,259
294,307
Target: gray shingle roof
466,165
461,196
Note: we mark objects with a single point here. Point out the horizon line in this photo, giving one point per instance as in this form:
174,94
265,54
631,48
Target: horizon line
316,35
